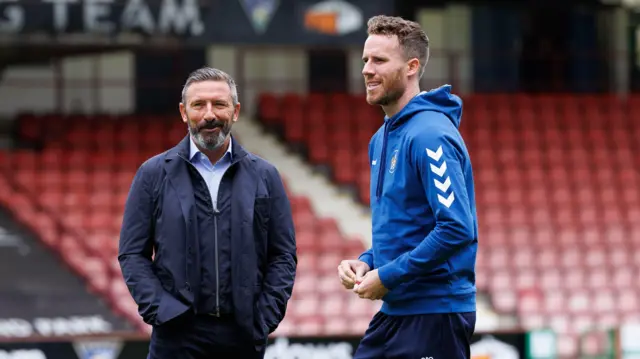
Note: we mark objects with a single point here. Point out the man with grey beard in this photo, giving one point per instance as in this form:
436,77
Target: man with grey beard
207,246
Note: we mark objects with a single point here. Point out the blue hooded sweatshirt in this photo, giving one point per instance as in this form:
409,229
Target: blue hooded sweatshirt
425,231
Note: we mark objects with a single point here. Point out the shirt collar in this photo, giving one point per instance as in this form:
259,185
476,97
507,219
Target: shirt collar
194,150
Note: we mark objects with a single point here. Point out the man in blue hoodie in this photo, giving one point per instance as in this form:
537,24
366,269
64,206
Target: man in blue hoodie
425,236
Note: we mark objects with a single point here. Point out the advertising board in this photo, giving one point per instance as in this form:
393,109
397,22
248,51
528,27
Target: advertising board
187,22
494,346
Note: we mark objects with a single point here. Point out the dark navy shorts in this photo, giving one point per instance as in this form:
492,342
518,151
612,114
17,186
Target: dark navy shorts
433,336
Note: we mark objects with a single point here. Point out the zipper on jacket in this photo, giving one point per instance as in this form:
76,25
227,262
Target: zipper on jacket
383,161
216,212
215,236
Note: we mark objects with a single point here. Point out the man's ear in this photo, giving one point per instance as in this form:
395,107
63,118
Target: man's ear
413,67
183,112
236,112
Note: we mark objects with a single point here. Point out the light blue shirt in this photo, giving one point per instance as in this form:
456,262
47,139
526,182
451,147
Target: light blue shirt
212,173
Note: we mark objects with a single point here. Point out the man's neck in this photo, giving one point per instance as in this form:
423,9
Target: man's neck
216,154
392,109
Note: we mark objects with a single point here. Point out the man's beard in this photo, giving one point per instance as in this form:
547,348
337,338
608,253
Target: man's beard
392,94
210,141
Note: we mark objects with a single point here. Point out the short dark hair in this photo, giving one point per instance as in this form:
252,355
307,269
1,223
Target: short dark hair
412,38
211,74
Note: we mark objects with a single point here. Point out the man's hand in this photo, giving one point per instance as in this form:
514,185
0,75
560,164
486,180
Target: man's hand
371,287
352,272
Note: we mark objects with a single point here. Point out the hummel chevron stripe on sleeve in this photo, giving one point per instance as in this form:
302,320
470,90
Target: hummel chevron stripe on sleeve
438,160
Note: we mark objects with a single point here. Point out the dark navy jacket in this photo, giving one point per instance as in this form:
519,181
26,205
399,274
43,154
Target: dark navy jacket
159,250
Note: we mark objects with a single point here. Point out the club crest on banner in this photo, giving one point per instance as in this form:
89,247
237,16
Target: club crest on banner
334,17
260,12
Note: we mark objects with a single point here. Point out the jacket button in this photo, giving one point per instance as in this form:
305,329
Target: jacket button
188,286
189,250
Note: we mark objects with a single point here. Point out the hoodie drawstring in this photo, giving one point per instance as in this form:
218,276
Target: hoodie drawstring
383,161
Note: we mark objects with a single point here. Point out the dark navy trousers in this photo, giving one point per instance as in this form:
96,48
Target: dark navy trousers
436,336
193,336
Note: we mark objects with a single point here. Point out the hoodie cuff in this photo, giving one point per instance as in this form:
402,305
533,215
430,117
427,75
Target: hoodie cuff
367,257
390,275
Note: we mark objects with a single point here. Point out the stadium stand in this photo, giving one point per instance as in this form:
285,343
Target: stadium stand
557,186
90,89
334,136
558,196
76,171
46,292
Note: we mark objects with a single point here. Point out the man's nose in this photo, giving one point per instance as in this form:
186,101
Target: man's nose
367,70
209,115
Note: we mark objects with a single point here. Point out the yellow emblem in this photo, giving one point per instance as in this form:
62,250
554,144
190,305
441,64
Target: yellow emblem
394,162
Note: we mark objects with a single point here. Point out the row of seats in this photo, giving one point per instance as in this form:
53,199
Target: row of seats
347,110
507,236
136,134
557,184
602,281
557,192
